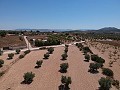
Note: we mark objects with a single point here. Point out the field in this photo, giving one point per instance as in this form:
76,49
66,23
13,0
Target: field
12,41
48,77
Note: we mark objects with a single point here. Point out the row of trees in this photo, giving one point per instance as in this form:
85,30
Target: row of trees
105,83
28,77
65,81
49,42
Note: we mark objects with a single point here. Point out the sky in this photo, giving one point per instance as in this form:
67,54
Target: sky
59,14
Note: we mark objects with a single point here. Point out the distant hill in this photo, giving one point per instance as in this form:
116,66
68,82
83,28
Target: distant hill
102,30
106,30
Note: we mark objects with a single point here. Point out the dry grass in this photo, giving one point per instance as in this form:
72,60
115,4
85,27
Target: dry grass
11,41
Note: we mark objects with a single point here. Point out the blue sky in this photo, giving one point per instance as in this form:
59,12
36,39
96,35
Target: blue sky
59,14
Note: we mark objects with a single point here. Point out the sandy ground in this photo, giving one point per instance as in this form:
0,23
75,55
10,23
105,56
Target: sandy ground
115,67
6,60
78,70
47,76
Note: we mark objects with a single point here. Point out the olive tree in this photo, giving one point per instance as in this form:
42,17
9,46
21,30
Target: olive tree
28,77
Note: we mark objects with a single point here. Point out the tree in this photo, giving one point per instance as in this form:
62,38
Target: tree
66,49
27,51
105,83
65,83
2,33
97,59
87,49
107,72
17,51
64,56
39,63
21,56
64,67
11,55
1,62
28,77
46,56
87,57
116,83
93,67
50,50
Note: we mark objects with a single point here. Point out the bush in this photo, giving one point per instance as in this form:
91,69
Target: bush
97,59
46,56
105,83
79,45
27,52
64,67
66,49
107,72
51,49
11,55
116,84
93,67
87,57
1,62
87,49
21,56
64,56
17,51
28,77
39,63
65,83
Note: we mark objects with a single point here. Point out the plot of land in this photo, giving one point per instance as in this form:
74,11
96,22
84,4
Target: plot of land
47,76
11,41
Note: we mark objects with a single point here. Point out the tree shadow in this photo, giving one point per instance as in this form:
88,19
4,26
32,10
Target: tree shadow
86,60
63,87
37,67
62,71
93,71
23,82
63,59
9,58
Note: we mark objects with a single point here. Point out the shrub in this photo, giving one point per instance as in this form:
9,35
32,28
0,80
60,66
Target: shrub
116,84
39,63
107,72
64,56
27,52
51,49
21,56
87,49
66,50
105,83
65,82
79,45
87,57
28,77
46,56
17,51
94,57
97,59
1,62
11,55
93,67
64,67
